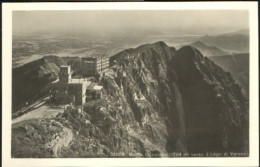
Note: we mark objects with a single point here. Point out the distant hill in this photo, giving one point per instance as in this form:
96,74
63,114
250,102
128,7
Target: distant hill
208,51
241,32
238,66
31,80
233,42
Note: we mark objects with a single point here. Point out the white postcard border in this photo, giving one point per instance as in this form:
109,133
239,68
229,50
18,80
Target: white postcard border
7,9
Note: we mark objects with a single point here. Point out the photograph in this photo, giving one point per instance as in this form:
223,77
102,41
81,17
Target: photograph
131,83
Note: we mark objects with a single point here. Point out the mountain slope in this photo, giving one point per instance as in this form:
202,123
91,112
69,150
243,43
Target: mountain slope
171,101
208,51
30,81
232,43
238,66
212,101
241,32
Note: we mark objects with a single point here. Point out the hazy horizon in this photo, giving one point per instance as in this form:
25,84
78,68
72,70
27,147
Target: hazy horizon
106,23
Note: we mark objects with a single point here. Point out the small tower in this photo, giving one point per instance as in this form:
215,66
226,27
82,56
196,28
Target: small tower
65,74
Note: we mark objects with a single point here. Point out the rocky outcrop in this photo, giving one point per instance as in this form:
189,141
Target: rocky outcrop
171,101
215,110
238,66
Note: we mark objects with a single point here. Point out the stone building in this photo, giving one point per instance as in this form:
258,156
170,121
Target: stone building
70,90
96,65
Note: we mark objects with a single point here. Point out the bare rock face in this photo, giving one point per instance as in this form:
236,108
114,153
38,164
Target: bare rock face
177,101
238,66
169,101
215,110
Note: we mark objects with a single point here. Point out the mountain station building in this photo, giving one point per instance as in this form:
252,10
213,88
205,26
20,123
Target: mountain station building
70,90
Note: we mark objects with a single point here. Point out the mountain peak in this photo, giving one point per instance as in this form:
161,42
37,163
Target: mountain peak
161,43
145,46
189,52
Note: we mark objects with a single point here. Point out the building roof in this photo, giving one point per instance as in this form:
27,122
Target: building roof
91,85
94,86
56,81
78,81
63,66
88,61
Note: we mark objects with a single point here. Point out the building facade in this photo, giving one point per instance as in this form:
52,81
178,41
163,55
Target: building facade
92,66
68,90
89,66
102,65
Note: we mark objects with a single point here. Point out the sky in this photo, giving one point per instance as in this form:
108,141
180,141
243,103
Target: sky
105,22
